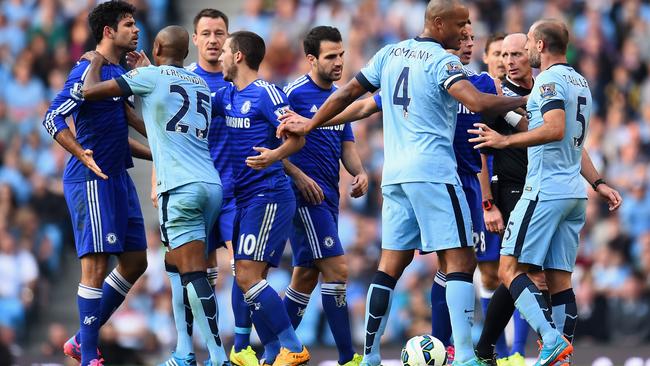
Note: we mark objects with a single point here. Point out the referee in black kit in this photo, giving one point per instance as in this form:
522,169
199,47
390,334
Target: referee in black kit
501,196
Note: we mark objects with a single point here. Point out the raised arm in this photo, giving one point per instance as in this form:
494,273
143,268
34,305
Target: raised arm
93,88
478,102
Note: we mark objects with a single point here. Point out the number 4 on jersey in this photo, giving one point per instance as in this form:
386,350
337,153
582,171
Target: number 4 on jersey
402,83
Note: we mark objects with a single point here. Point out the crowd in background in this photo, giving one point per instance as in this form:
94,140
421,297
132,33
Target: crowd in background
41,40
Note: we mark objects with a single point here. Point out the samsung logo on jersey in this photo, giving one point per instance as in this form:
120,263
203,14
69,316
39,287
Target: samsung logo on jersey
409,53
238,122
463,110
332,128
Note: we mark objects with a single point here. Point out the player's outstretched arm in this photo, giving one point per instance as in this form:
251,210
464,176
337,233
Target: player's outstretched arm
352,163
478,102
139,150
308,188
94,88
590,173
360,109
551,130
290,146
335,104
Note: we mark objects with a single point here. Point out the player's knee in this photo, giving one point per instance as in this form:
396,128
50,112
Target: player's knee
93,271
460,260
393,262
507,272
490,281
336,271
539,279
247,276
304,280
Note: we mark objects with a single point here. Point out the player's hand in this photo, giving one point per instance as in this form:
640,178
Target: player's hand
263,160
494,220
487,137
87,160
292,123
609,194
359,185
308,188
94,56
136,59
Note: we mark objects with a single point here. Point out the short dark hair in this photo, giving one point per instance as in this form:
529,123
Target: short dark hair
251,45
108,14
555,35
210,13
316,35
494,37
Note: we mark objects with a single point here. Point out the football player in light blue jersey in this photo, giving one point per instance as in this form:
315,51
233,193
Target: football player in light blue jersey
424,206
177,111
544,227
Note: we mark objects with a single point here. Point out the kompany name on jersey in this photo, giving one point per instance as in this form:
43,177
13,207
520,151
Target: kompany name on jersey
410,53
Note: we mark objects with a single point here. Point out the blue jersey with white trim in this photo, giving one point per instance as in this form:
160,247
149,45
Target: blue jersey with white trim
320,156
554,167
251,116
468,158
100,126
218,132
419,113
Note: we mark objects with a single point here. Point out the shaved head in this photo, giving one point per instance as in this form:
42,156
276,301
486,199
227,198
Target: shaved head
440,8
514,40
173,42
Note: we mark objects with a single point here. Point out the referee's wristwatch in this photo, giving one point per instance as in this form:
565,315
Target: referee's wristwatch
598,182
488,204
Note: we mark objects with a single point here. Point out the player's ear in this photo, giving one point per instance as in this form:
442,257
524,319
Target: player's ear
187,52
311,59
109,32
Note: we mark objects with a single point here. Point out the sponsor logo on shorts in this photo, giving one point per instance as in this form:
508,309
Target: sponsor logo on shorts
328,242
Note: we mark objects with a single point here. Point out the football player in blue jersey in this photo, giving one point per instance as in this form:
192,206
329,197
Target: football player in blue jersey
314,171
543,229
424,206
264,198
177,110
101,197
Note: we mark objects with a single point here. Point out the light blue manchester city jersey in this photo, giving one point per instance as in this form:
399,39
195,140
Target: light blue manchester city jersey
554,168
176,107
419,114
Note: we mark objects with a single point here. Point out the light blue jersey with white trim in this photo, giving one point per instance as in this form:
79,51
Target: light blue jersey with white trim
554,168
419,114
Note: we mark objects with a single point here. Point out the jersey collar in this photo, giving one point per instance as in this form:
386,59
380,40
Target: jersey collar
316,85
559,64
427,39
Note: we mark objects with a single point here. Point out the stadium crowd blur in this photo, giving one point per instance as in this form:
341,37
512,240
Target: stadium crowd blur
40,40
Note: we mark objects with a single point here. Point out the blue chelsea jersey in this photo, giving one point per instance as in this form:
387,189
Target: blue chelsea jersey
320,156
218,132
251,116
100,126
468,158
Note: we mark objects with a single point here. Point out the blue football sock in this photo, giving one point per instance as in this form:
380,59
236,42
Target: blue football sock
501,347
565,312
521,334
183,318
460,298
243,322
335,305
89,302
204,308
440,323
532,305
263,299
378,302
269,340
295,302
114,291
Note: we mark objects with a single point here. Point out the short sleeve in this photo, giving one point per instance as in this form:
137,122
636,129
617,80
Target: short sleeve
377,98
217,102
550,91
140,81
273,103
348,135
370,76
449,71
